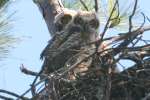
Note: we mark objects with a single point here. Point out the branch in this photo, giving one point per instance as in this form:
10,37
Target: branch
13,94
27,91
49,77
5,98
33,85
108,21
131,16
50,8
26,71
96,5
129,37
84,5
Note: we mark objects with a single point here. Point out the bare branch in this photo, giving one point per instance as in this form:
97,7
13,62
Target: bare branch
96,5
13,94
5,98
108,21
131,16
84,5
26,71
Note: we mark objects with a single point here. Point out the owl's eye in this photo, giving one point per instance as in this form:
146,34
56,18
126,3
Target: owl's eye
78,21
65,19
94,23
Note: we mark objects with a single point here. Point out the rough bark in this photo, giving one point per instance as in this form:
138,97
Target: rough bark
49,9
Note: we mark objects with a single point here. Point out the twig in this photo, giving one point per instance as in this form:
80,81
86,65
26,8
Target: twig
29,72
84,5
131,16
42,75
13,94
96,5
143,19
30,88
5,98
60,3
137,40
26,71
33,90
108,21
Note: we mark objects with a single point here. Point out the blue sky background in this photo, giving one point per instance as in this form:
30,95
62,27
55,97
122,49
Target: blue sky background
31,27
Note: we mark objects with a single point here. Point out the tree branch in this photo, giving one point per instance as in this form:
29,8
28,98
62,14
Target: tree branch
131,16
108,21
5,98
26,71
96,5
13,94
84,5
50,8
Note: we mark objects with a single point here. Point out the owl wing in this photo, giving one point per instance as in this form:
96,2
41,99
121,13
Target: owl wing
71,42
56,55
62,41
53,45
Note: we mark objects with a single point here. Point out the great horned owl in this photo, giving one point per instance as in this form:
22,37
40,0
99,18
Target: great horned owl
74,29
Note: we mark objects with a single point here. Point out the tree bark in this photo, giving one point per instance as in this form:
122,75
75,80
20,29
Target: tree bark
49,9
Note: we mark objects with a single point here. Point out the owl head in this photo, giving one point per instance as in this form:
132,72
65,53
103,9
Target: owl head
87,20
63,19
82,20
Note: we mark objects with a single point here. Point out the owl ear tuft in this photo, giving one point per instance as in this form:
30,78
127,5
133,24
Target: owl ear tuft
61,20
65,19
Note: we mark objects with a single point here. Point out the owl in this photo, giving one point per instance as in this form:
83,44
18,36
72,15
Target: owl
75,29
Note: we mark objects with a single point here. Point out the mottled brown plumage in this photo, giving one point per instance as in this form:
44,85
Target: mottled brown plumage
64,49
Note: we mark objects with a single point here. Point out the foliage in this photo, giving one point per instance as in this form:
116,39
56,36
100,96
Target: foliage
6,39
3,2
119,18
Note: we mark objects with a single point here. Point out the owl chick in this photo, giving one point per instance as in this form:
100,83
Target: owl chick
74,29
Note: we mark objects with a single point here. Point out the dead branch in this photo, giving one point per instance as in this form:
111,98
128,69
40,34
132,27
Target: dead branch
131,16
5,98
108,21
96,5
12,94
84,5
26,71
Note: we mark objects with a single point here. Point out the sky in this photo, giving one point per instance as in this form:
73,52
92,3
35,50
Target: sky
30,26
